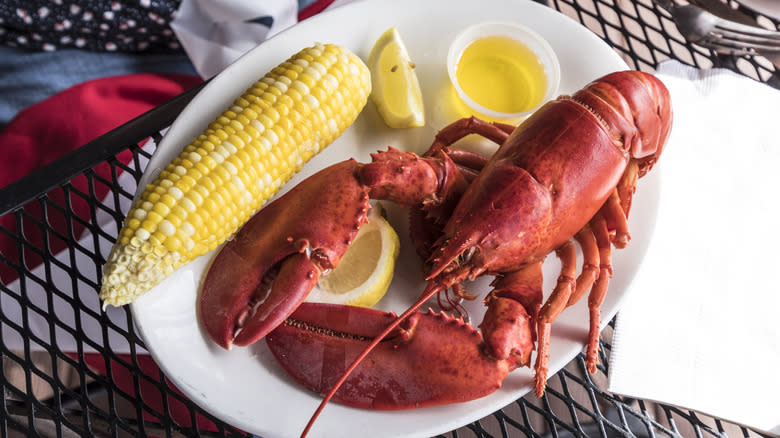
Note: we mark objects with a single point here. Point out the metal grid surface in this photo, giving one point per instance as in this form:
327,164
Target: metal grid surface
50,392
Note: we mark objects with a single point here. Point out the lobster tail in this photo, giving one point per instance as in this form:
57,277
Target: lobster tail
636,107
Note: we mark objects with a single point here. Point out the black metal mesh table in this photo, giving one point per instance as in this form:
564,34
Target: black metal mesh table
49,392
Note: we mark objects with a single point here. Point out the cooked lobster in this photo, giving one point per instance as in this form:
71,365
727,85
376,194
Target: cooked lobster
566,174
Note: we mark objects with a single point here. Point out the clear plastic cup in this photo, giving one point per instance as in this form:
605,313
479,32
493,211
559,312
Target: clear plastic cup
522,34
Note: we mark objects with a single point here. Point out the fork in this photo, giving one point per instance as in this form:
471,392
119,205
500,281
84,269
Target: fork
708,30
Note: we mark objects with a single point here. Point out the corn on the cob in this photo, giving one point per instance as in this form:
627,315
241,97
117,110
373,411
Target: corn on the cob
239,162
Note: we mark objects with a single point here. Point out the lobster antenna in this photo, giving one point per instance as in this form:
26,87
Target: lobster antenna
429,291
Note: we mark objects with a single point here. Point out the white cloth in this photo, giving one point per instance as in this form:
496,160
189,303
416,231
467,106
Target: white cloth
214,33
699,328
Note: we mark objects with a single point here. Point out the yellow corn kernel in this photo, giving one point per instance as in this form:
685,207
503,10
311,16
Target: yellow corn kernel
234,166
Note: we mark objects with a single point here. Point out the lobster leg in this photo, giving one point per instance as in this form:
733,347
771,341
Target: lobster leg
616,220
557,301
627,186
496,132
613,215
470,163
599,290
594,239
513,306
590,264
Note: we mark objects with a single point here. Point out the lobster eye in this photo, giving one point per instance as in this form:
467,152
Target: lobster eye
466,256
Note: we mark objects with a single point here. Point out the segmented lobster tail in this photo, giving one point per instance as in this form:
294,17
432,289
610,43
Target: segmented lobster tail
635,105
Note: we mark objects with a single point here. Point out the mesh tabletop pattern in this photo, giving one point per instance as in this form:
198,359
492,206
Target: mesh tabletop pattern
63,219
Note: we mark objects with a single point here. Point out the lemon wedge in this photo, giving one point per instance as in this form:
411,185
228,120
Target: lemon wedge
365,271
394,84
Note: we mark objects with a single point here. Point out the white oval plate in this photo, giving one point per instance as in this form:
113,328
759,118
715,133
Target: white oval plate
245,386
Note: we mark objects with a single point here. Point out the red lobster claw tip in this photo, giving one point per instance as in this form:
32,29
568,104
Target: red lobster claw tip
297,276
236,320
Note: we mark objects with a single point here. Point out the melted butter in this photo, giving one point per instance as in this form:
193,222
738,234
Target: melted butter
502,74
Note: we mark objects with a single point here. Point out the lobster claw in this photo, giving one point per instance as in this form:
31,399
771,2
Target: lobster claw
319,341
273,262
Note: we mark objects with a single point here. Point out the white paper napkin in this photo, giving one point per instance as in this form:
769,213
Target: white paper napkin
699,328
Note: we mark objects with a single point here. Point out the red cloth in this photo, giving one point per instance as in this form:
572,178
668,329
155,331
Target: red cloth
46,131
154,396
313,9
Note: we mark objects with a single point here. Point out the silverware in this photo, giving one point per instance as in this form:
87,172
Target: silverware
709,30
723,10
